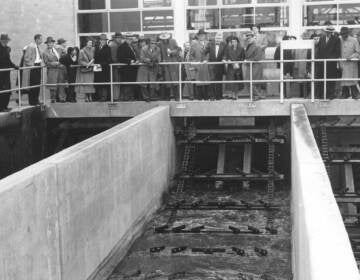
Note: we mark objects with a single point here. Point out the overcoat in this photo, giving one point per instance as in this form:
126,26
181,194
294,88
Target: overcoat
85,56
199,53
349,49
253,53
5,62
103,57
234,71
125,55
52,64
150,70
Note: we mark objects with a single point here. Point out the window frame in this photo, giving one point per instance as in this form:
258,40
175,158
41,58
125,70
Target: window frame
108,10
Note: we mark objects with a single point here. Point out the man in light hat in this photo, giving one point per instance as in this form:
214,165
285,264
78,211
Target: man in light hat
350,50
61,48
329,47
5,63
253,52
150,57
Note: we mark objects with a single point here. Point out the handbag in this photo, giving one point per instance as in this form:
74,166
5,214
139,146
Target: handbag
97,68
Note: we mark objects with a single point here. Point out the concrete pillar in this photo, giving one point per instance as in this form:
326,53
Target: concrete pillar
296,17
247,162
220,164
180,22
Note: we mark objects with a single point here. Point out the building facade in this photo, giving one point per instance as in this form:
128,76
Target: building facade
76,19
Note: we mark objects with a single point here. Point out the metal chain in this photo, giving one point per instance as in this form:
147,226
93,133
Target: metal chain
271,170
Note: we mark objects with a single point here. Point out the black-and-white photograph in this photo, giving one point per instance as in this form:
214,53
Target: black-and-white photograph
180,139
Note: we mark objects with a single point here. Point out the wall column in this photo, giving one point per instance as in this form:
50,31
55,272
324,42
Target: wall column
179,22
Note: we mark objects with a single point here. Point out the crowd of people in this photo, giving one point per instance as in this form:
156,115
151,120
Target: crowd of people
75,74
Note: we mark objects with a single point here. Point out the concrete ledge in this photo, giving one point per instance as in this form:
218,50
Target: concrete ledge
69,216
224,108
321,246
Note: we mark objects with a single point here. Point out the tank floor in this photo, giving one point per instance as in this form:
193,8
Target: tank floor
141,264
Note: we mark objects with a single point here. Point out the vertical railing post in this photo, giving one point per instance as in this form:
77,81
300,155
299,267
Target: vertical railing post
111,84
325,79
180,82
312,80
43,85
282,84
251,82
19,86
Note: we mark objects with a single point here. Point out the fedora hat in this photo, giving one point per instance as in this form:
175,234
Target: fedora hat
202,32
344,30
249,34
49,40
61,41
164,36
103,37
329,28
153,40
118,35
4,37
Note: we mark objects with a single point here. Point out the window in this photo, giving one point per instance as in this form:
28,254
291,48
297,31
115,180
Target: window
123,4
349,14
203,18
92,22
320,15
158,20
140,16
125,21
157,3
236,2
201,2
338,13
272,16
91,4
237,18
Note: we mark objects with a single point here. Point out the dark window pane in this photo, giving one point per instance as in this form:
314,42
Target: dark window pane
349,14
157,3
237,18
236,2
271,1
124,4
91,4
201,2
158,20
272,16
125,21
207,19
320,15
91,23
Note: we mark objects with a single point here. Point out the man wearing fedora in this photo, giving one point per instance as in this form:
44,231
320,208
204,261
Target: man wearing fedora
350,50
5,63
328,48
127,54
200,52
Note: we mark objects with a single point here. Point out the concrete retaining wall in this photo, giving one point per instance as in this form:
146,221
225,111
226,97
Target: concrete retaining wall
321,247
73,215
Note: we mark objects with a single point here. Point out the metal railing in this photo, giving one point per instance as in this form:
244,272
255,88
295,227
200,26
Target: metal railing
180,82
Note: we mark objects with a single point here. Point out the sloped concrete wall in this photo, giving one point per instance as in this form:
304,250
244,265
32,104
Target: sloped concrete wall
87,202
321,247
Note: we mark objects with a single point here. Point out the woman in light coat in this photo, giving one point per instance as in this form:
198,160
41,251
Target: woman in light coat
85,74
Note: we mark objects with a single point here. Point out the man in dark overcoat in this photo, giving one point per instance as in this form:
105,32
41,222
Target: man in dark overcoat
5,63
329,47
127,54
217,52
